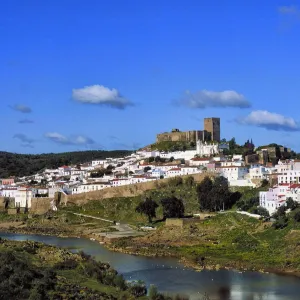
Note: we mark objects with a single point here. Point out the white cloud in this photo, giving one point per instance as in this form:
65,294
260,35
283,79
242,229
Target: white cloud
205,98
289,10
21,108
101,95
73,140
270,121
26,141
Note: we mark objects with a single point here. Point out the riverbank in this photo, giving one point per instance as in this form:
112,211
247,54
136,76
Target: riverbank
224,242
61,274
227,241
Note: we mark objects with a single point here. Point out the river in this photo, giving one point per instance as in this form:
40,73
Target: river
172,277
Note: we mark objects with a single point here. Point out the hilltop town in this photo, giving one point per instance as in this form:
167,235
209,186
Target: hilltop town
248,167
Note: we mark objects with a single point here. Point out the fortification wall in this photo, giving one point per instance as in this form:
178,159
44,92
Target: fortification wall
40,205
123,191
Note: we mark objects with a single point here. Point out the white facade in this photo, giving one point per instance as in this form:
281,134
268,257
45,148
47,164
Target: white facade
23,198
204,149
9,192
258,173
273,198
90,187
233,172
199,161
290,176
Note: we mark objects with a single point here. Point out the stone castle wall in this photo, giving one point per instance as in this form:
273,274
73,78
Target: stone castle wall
122,191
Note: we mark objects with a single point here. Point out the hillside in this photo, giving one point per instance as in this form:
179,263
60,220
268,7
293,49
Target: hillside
13,164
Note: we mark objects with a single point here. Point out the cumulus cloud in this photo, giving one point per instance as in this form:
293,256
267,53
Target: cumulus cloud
289,10
21,108
26,141
205,98
270,121
76,140
101,95
26,121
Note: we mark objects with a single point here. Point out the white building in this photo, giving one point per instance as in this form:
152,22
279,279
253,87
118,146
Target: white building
233,172
199,161
90,187
258,173
274,197
23,197
289,176
204,149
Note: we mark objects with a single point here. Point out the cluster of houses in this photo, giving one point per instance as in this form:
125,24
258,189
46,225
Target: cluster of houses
144,166
288,186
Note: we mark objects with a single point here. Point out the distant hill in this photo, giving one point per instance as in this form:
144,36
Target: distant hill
12,164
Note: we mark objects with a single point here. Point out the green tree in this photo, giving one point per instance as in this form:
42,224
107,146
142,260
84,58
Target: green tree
262,211
153,293
148,208
203,192
172,207
291,204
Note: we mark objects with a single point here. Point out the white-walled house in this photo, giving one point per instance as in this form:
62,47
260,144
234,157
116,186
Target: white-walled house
199,161
274,197
10,192
90,187
289,176
189,170
23,197
173,172
98,163
232,172
293,192
158,173
258,173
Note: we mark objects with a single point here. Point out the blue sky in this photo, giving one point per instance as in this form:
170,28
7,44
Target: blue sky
98,74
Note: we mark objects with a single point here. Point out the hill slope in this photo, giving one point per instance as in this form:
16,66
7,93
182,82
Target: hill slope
13,164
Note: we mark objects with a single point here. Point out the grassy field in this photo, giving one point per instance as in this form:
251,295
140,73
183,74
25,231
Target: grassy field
227,240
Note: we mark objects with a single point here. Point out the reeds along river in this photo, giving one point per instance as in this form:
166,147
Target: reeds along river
172,277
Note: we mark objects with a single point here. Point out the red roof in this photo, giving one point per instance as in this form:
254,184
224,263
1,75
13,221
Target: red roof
284,184
200,159
295,186
175,169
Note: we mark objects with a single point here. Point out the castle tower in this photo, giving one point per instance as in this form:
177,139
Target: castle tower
212,125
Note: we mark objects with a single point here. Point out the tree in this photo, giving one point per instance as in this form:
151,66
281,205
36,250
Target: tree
262,211
153,293
148,208
171,159
146,169
172,207
291,204
297,216
157,159
203,190
189,181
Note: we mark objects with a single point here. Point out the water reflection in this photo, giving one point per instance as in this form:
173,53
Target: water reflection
171,277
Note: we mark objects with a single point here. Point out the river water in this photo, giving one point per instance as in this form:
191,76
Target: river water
172,277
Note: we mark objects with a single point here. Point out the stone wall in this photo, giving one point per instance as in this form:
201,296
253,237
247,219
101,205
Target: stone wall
40,206
2,203
122,191
181,222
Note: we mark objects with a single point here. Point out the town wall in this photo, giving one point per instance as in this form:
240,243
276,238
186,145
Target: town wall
181,222
40,205
131,190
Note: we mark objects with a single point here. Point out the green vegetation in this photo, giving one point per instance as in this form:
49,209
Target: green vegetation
13,164
148,208
214,195
31,270
170,146
226,240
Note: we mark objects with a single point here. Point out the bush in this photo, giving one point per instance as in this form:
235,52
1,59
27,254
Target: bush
153,293
280,223
137,288
68,264
297,216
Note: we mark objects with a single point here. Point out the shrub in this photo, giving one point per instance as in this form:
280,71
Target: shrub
137,288
153,292
280,223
